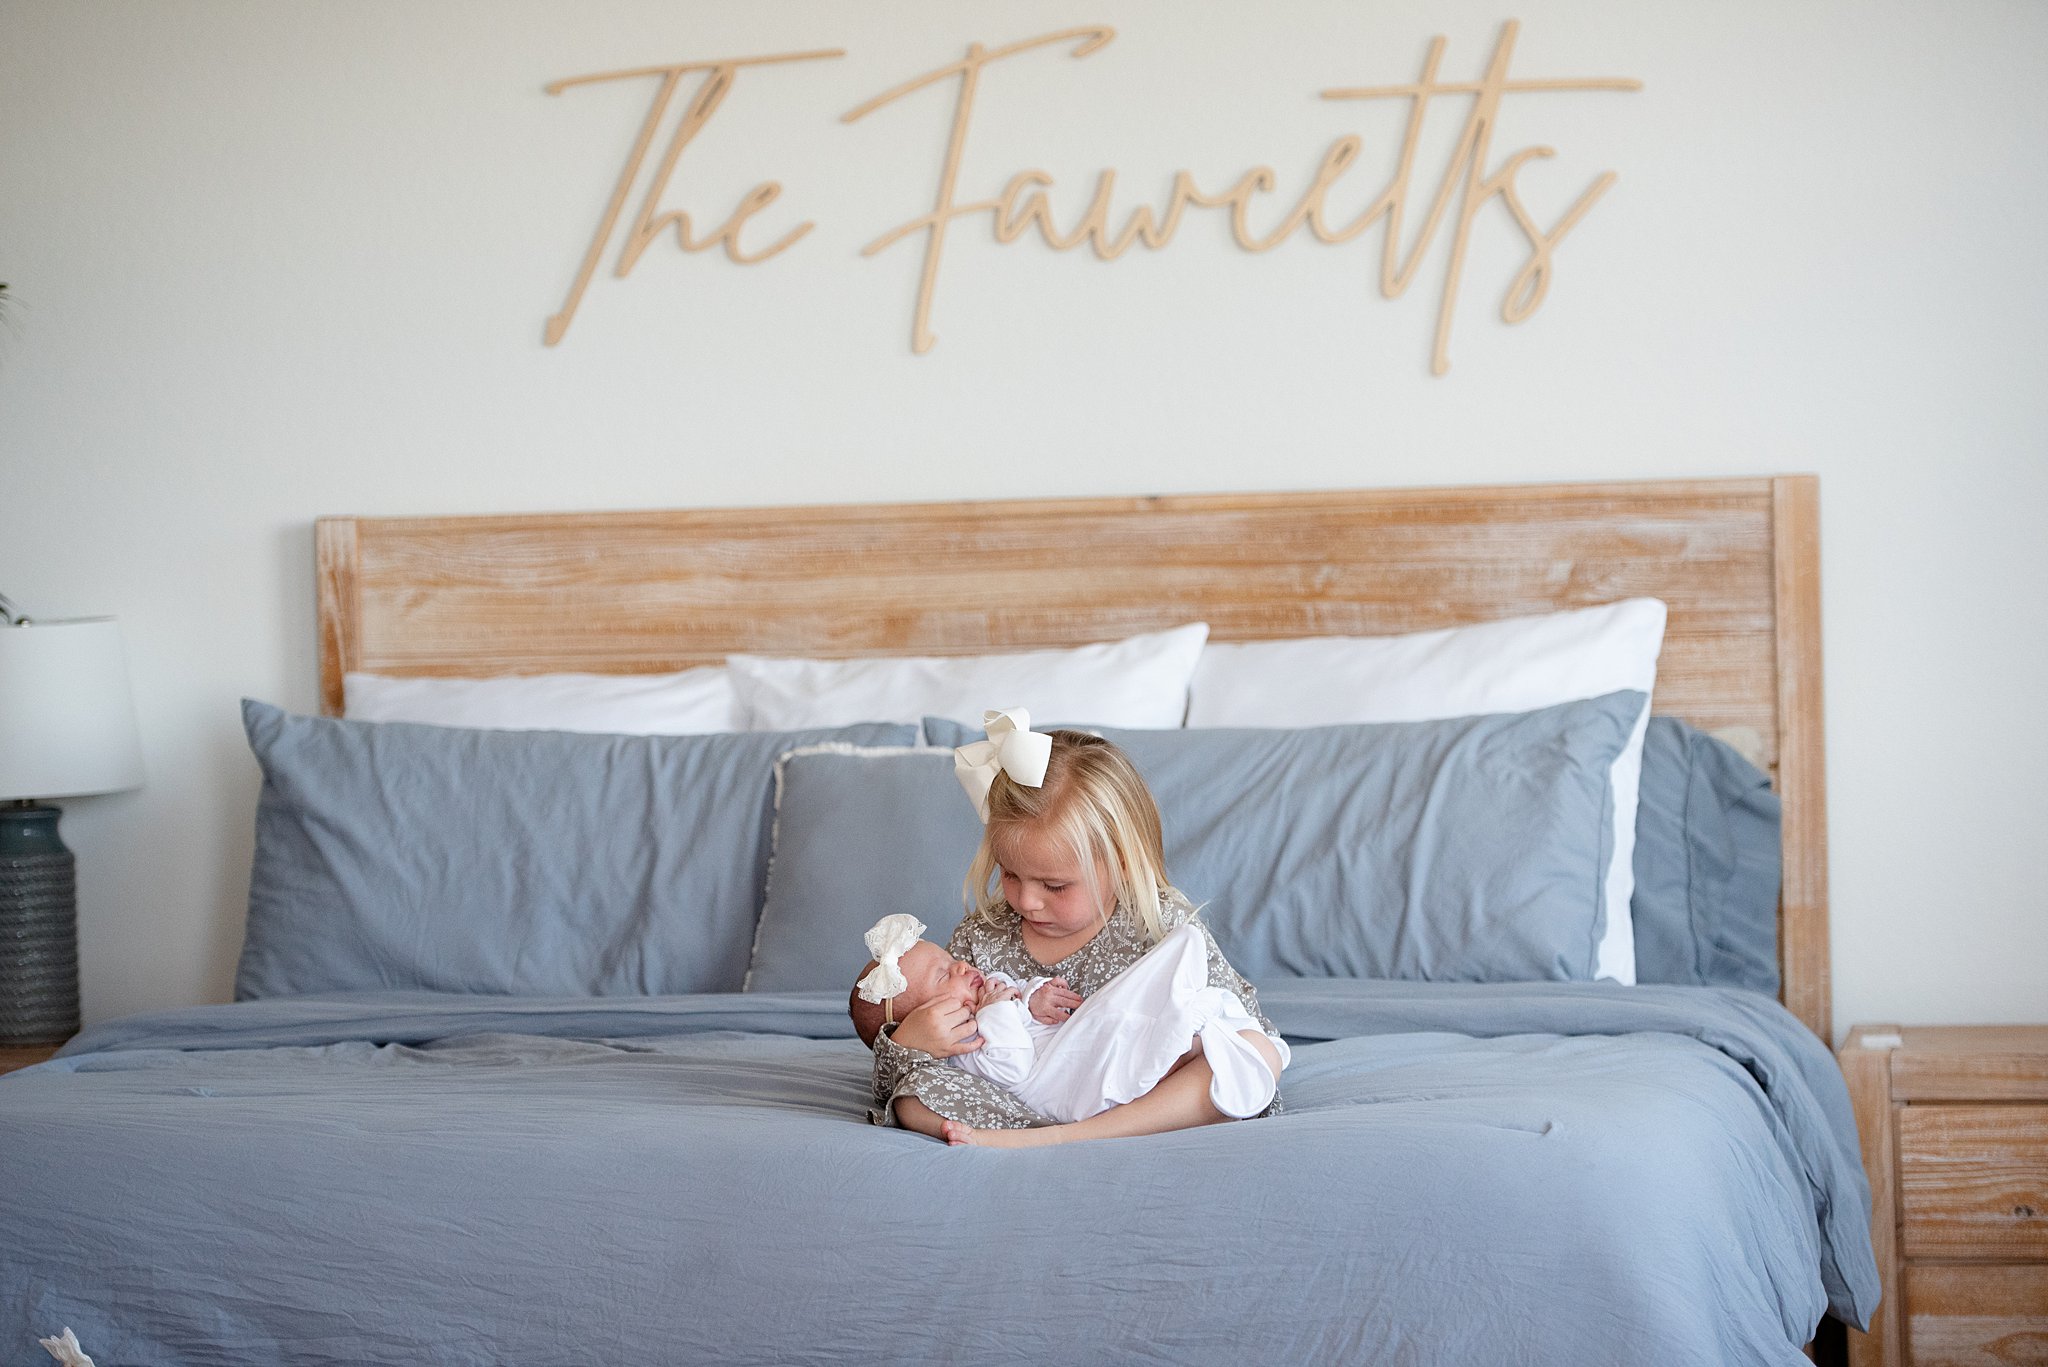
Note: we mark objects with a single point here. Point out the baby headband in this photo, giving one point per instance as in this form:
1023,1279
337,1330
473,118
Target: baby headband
888,940
1012,746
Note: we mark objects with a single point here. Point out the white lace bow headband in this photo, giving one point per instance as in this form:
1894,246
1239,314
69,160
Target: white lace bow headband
1012,747
888,940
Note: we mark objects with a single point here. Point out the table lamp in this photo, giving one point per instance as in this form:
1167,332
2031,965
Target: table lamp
67,728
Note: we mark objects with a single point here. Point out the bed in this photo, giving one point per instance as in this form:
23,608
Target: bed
1466,1171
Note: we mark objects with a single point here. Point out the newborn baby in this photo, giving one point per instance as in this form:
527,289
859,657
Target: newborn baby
1113,1048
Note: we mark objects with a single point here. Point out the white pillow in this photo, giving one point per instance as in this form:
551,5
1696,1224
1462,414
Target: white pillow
693,702
1517,665
1138,682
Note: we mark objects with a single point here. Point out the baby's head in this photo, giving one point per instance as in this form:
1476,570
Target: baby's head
929,974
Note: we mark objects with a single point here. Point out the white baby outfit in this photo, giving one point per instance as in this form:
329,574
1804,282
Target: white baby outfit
1120,1042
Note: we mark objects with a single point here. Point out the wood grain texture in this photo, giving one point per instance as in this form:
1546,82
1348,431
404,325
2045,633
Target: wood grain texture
340,606
1802,756
642,592
1973,1181
13,1056
1960,1316
1972,1063
1868,1072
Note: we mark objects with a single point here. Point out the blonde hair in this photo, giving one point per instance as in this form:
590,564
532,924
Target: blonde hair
1094,804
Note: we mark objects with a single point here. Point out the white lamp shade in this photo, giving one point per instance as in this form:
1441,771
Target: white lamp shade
67,719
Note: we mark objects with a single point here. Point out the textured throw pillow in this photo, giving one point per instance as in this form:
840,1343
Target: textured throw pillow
693,702
1506,666
391,855
859,834
1471,849
1140,681
1707,862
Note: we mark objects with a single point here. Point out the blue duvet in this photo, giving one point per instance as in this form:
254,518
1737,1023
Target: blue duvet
1555,1173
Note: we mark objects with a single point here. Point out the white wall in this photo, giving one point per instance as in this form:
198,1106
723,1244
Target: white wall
274,261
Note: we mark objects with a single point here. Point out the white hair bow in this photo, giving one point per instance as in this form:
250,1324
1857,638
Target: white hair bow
1012,746
888,940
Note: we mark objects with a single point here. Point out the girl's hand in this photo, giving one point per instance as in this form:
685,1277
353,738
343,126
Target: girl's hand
941,1027
1053,1003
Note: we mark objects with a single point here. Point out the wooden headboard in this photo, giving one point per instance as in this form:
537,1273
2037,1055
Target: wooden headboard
1738,561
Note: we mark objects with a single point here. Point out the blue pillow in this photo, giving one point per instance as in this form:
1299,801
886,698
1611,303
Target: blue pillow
393,855
858,835
1707,863
1471,849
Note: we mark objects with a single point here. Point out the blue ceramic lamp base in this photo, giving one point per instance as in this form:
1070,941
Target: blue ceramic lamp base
38,928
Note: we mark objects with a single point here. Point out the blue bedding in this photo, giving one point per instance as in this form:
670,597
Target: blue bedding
1544,1173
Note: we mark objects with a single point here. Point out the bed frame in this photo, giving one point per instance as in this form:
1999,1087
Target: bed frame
1738,561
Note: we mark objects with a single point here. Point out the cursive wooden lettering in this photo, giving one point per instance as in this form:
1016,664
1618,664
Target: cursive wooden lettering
1024,205
935,223
1467,172
1468,182
711,93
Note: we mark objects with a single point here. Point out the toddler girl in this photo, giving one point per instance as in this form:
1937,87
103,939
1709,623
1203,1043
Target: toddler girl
1069,881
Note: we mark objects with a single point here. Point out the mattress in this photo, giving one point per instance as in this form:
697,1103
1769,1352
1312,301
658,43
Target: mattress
1537,1173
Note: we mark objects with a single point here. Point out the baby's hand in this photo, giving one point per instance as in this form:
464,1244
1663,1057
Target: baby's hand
994,992
1053,1003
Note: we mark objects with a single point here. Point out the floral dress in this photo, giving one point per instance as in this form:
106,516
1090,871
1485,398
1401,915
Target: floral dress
999,948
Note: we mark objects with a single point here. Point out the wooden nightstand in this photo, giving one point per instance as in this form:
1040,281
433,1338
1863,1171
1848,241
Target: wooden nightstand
14,1056
1954,1126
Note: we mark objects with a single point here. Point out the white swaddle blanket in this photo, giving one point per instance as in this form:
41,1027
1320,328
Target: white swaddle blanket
1120,1042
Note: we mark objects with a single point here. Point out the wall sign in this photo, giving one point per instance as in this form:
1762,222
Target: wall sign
1110,225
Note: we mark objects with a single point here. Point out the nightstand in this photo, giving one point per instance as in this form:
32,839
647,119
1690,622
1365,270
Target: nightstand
1954,1126
14,1056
